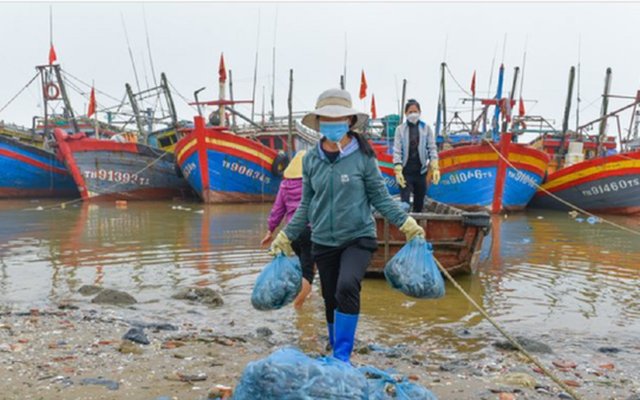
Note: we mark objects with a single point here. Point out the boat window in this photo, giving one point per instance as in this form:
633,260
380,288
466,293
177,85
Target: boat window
278,143
165,141
265,141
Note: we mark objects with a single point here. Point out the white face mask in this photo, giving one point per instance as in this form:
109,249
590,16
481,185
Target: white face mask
413,117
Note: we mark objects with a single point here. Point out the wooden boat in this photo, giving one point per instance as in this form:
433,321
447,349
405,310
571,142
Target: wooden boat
477,177
106,169
603,185
225,168
27,171
586,171
456,237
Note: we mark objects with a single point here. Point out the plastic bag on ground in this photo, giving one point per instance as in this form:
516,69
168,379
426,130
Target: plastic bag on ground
278,284
414,272
382,385
288,374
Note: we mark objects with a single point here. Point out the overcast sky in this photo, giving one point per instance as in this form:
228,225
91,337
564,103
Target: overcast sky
389,41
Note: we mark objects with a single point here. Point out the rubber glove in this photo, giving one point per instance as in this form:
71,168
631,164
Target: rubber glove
435,174
412,229
281,245
399,176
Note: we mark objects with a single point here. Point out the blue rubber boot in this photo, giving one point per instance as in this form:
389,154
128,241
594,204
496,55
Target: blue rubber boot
331,330
345,331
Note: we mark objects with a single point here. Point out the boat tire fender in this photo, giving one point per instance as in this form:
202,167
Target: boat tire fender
279,164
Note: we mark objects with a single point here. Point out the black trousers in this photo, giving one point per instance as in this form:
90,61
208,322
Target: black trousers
416,184
302,247
341,271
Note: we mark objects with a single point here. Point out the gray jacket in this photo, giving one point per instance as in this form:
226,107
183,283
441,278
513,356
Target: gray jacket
427,143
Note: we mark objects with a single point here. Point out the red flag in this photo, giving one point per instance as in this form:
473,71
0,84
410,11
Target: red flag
473,84
222,71
374,115
52,55
92,103
363,86
521,108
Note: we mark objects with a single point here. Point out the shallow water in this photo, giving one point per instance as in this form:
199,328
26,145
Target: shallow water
544,274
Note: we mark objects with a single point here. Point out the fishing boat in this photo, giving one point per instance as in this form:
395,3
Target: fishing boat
27,171
488,177
456,237
586,171
226,168
106,169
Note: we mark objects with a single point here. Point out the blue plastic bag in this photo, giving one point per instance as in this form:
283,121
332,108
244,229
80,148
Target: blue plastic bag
288,374
278,284
414,272
382,386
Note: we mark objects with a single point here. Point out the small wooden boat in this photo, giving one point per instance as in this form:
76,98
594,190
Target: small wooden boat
106,169
225,168
27,171
456,237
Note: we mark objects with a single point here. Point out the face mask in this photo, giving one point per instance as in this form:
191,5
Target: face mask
334,131
413,117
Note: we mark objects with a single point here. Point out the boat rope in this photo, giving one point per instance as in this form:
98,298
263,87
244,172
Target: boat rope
19,93
576,208
181,96
107,190
456,81
508,336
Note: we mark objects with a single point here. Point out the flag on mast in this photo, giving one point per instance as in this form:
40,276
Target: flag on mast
363,86
374,115
52,55
521,108
222,71
473,84
92,103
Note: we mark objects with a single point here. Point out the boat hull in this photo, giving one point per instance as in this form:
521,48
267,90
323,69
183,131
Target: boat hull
385,162
477,177
225,168
456,237
108,170
605,185
30,172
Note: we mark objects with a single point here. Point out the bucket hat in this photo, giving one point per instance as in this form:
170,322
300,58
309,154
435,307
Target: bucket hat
294,169
334,103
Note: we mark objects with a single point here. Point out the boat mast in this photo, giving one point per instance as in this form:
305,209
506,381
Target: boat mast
255,70
404,99
516,72
172,107
567,113
136,111
443,99
273,71
496,115
602,134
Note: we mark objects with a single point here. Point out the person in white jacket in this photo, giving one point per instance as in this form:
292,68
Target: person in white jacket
414,152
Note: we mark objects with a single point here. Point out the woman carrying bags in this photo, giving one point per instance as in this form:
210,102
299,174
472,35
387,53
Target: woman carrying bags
341,181
414,151
286,204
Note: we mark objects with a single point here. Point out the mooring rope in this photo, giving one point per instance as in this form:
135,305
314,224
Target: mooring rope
576,208
508,336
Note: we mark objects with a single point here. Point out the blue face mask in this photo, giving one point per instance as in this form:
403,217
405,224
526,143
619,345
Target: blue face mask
334,131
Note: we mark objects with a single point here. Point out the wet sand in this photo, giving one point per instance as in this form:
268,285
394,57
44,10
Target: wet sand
46,354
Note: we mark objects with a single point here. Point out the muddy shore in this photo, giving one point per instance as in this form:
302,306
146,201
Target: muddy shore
76,351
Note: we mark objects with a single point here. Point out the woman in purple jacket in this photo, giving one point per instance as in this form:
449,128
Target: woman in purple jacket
287,202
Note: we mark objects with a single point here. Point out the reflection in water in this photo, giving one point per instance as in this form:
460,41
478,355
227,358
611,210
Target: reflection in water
545,272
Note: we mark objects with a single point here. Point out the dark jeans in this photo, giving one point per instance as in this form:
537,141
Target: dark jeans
416,184
341,271
302,247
